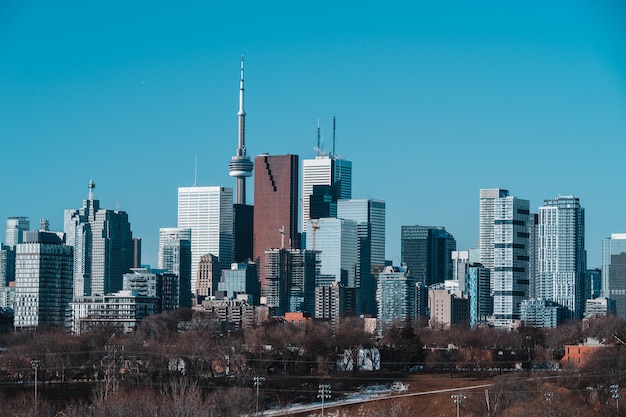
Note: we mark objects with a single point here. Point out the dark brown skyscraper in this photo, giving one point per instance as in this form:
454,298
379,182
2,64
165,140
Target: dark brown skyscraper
275,206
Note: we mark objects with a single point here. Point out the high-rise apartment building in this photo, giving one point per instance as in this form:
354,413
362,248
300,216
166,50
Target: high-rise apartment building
276,207
479,291
397,297
324,170
16,226
290,278
103,247
427,252
561,261
614,271
43,280
504,250
488,198
208,212
370,218
175,257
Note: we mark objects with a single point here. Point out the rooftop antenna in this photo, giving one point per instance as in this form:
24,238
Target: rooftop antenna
195,172
333,136
319,151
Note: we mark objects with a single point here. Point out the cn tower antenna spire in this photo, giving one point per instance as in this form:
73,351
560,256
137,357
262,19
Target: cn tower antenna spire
240,165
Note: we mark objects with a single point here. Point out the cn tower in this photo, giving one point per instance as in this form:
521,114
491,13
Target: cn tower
240,165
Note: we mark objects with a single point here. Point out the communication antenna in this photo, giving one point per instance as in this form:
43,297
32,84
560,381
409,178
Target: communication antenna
195,172
333,135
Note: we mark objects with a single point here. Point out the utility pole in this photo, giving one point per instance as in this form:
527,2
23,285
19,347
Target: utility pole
615,395
258,380
458,399
324,392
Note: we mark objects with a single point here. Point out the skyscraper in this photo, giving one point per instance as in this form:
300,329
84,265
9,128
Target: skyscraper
370,217
103,247
561,260
43,280
614,271
488,198
175,257
427,252
16,226
276,206
208,212
324,170
504,245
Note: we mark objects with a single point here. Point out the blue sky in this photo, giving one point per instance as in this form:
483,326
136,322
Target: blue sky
434,100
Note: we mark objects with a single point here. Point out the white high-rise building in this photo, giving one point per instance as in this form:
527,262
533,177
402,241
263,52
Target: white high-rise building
43,280
561,261
324,170
504,246
208,212
488,199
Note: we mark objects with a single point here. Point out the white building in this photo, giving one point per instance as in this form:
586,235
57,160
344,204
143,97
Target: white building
504,250
43,280
124,309
208,212
561,261
324,170
16,226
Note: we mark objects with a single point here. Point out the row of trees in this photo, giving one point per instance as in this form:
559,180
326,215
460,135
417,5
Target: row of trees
187,354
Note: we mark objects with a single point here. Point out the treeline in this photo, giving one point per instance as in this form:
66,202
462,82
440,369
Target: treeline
185,363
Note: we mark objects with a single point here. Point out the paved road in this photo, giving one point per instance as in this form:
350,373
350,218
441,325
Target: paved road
341,403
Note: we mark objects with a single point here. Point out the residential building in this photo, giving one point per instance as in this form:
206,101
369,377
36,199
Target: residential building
538,312
43,280
208,212
599,307
614,271
427,252
396,297
163,285
460,265
124,309
175,257
504,250
561,263
329,300
479,292
103,246
290,277
447,307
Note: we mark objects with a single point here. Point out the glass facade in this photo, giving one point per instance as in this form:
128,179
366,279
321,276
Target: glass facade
614,271
561,260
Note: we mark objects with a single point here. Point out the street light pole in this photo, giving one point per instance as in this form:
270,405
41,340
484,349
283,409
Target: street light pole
35,364
324,391
258,380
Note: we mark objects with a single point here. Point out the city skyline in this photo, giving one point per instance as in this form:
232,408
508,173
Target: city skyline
433,103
